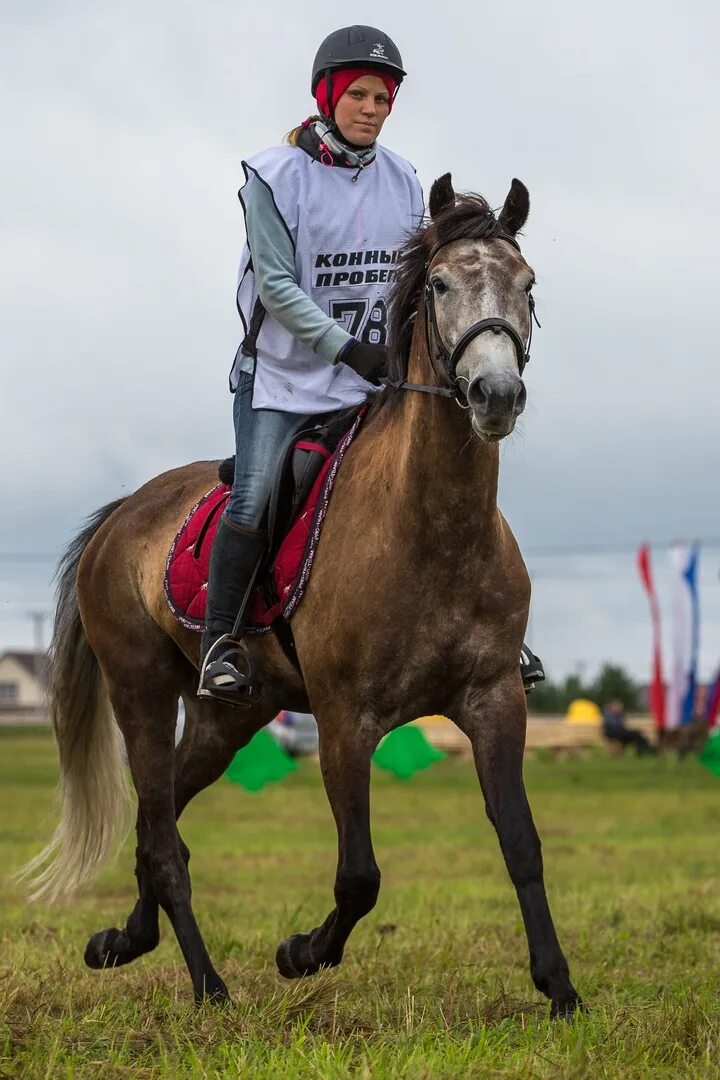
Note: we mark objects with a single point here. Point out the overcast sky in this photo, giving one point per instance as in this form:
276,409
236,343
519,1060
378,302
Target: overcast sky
124,126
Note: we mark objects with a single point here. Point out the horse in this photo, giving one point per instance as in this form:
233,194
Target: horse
417,604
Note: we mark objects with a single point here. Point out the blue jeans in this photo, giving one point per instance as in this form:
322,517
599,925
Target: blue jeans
259,436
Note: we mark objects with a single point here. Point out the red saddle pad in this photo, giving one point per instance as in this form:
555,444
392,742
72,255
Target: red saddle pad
188,561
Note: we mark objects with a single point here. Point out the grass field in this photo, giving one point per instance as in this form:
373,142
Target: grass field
435,981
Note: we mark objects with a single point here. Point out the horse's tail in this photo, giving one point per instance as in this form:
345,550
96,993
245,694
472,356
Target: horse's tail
94,791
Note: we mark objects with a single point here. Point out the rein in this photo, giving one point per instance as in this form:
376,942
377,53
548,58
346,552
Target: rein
448,360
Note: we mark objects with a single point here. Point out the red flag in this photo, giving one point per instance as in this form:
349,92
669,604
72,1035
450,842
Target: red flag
712,713
657,685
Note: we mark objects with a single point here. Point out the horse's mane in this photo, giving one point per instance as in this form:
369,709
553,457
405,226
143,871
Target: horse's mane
469,217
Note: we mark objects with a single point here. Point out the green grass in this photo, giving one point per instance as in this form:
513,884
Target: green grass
435,981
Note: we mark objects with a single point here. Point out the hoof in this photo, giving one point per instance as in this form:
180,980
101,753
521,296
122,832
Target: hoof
293,957
113,948
214,992
99,952
566,1010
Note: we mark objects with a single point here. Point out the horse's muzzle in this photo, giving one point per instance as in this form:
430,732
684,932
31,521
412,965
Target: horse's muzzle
496,403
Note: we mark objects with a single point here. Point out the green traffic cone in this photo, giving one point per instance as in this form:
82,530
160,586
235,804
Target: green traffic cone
259,763
710,753
405,751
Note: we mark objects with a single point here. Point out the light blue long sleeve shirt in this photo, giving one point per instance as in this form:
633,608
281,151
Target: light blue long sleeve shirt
274,266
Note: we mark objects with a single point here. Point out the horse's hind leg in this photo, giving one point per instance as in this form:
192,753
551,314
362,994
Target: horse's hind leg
207,748
145,706
495,723
113,947
345,760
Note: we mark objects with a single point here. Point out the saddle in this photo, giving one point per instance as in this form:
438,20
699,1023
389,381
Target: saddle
304,480
300,460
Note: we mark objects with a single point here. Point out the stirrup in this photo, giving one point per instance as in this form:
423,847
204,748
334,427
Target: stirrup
531,669
222,677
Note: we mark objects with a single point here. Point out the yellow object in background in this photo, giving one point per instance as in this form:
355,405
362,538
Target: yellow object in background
582,711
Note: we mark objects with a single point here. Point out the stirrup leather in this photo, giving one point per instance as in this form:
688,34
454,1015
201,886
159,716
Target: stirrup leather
228,673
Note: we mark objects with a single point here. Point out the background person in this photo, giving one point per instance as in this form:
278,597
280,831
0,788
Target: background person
616,730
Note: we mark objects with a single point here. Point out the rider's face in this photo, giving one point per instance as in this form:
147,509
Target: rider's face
362,110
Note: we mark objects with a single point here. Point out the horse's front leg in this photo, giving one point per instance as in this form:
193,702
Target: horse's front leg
495,720
345,761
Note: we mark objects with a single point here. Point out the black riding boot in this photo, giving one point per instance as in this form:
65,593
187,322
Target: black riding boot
225,665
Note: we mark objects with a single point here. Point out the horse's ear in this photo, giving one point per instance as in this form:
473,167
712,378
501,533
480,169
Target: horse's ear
516,209
441,194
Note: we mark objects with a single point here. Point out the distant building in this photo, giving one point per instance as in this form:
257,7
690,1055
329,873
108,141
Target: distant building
23,686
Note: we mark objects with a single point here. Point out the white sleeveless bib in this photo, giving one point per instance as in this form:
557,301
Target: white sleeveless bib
347,237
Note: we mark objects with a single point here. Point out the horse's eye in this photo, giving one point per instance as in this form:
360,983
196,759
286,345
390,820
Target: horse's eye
439,286
530,286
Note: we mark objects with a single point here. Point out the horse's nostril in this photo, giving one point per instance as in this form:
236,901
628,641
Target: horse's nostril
478,395
520,399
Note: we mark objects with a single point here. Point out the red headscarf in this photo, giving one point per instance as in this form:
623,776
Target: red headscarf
345,77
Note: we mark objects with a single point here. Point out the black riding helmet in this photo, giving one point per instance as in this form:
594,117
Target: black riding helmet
356,46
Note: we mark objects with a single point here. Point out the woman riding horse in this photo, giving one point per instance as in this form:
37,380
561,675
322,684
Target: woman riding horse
325,218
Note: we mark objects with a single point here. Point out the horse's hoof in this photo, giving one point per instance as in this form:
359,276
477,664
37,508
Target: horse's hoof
567,1009
293,957
99,952
214,992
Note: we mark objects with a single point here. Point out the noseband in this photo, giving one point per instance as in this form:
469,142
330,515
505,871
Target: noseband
448,360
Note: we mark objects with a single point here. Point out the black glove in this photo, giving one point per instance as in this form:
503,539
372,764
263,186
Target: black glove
369,361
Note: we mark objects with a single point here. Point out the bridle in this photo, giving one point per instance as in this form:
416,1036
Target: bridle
448,360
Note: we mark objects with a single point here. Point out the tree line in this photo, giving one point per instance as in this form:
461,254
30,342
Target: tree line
611,682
